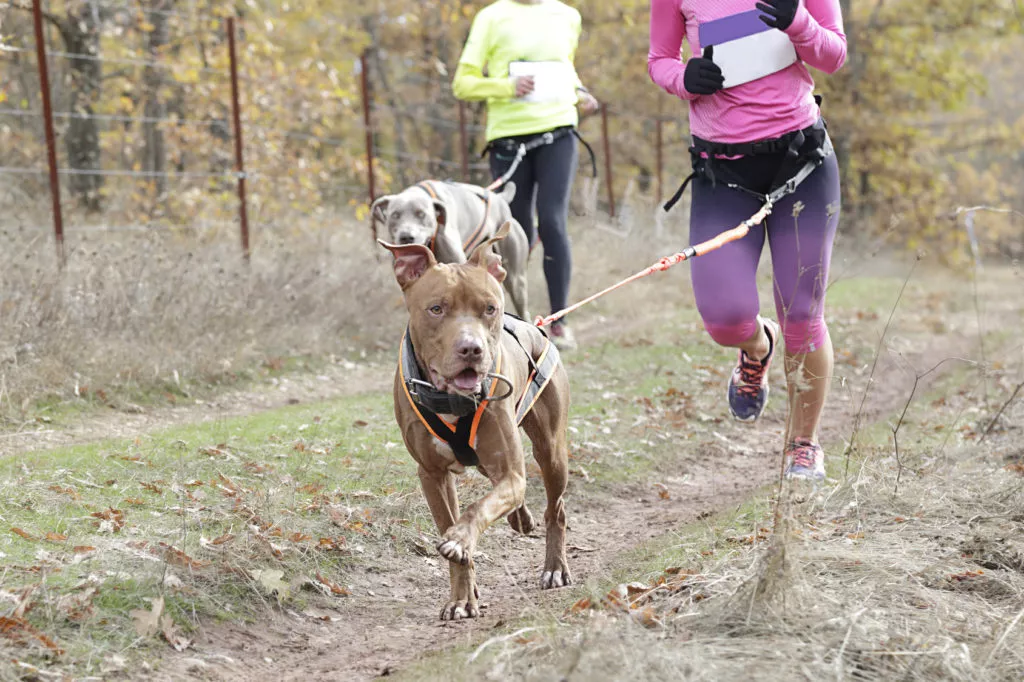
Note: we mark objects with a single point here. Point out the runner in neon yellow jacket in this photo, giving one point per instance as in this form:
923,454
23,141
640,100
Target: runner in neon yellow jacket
509,31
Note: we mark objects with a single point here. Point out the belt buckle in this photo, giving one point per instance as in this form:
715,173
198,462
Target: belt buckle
548,137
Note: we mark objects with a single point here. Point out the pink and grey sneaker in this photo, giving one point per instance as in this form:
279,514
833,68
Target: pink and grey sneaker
748,385
805,459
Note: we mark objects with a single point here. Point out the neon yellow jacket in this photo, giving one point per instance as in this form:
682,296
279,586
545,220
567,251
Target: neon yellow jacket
507,31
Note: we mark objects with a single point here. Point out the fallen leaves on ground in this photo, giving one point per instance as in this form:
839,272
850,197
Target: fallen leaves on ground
637,599
215,451
271,581
147,622
217,541
70,492
24,603
175,556
110,520
334,587
331,544
172,634
77,606
19,631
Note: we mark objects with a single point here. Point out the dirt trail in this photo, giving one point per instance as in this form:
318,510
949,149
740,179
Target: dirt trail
391,620
332,381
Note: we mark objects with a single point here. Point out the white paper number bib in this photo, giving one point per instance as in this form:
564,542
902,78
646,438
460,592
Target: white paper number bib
746,48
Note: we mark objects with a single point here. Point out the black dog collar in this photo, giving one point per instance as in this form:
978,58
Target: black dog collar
425,395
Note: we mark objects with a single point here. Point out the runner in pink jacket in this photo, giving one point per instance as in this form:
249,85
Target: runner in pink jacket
754,122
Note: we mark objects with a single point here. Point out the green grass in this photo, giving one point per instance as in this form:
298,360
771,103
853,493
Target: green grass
322,488
297,489
307,489
128,394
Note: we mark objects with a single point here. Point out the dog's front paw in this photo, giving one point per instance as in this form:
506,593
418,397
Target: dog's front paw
555,576
465,597
456,547
460,609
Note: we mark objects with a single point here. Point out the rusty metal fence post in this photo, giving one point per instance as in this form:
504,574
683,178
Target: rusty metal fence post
607,161
367,123
239,160
51,139
463,142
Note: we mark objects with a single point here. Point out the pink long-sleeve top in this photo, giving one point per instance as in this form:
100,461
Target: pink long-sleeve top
761,109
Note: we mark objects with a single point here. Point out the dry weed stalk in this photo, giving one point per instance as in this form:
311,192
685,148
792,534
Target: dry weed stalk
156,311
851,445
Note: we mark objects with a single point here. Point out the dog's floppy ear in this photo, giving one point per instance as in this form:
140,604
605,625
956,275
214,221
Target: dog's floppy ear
379,212
508,192
485,257
440,214
411,261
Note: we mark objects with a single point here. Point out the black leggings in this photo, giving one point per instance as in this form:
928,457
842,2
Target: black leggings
544,178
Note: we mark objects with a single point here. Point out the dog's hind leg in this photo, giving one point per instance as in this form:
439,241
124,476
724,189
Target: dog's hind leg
442,498
515,253
547,428
516,286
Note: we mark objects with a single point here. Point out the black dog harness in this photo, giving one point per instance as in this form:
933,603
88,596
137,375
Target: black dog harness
429,403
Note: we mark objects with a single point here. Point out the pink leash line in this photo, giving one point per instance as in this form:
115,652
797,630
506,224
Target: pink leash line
666,262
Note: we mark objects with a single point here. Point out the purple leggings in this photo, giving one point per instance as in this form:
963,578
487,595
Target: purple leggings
800,231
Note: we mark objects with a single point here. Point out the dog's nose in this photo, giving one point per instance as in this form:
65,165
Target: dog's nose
405,238
469,348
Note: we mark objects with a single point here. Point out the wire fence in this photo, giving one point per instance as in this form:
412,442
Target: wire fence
211,152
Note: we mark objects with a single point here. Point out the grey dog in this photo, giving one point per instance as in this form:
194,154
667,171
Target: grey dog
451,219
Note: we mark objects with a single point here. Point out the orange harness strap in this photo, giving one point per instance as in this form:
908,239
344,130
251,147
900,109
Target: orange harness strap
476,238
461,436
427,187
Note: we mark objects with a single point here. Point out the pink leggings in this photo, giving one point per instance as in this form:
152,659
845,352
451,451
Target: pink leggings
800,232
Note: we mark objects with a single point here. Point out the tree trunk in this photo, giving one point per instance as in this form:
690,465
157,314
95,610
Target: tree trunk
81,34
154,154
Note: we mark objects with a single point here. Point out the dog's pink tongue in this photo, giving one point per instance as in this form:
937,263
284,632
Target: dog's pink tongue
466,380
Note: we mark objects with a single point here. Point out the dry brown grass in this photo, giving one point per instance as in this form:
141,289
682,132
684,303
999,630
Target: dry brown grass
138,311
924,585
138,314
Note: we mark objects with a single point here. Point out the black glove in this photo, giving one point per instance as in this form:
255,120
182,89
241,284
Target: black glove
780,12
703,76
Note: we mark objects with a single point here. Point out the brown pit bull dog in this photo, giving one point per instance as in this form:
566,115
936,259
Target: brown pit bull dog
468,377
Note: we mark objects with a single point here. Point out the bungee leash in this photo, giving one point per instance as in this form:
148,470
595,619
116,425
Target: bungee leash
716,242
